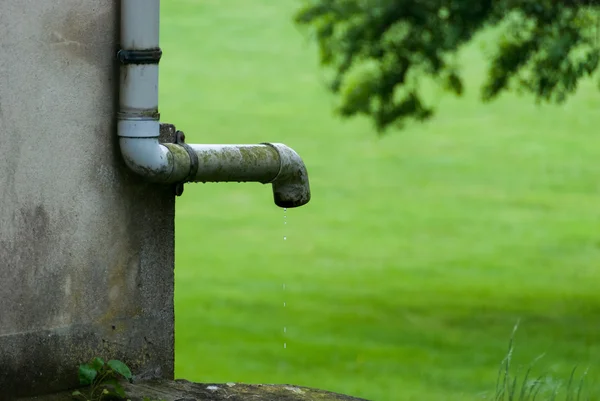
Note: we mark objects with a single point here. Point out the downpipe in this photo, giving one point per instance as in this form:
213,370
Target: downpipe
138,126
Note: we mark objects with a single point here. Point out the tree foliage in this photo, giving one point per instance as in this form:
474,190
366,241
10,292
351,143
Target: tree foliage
379,51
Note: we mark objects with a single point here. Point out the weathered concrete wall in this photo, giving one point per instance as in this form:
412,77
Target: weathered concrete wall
86,249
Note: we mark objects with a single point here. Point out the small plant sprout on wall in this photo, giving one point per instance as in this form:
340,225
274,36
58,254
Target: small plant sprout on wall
102,379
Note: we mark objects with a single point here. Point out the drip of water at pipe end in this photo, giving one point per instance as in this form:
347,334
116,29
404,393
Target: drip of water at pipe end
283,285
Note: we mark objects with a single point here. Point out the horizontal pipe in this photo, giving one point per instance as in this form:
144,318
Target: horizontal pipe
236,163
271,163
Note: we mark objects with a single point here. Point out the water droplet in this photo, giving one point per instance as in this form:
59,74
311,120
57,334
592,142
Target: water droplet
283,285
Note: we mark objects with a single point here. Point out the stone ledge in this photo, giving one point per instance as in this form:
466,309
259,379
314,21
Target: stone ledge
183,390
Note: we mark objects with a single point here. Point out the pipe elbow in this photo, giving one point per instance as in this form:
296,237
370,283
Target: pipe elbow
291,187
146,157
142,152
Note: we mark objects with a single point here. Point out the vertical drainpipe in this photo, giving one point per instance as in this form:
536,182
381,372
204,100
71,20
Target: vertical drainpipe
138,118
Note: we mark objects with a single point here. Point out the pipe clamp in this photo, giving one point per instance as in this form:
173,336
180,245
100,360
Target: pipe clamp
180,140
146,56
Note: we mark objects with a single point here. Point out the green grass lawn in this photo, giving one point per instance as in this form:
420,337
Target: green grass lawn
418,252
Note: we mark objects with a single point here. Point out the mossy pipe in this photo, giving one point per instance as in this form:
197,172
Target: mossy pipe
268,163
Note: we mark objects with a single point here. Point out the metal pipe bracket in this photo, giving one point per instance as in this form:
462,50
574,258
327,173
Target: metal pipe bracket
169,134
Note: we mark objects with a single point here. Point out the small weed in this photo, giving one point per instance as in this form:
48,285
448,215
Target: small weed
102,379
509,388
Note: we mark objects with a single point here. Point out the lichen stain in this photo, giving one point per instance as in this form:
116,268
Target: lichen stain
123,283
11,156
82,32
67,286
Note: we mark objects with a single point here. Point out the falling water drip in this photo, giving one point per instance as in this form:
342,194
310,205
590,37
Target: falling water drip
284,221
284,304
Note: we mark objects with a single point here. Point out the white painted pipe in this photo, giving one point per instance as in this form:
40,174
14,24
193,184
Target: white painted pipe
140,22
138,121
138,125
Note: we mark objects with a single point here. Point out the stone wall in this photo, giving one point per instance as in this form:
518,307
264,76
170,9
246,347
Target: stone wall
86,249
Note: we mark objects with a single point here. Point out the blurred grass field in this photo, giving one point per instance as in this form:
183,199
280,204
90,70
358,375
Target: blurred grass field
419,250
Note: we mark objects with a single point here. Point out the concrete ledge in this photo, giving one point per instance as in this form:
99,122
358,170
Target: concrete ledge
183,390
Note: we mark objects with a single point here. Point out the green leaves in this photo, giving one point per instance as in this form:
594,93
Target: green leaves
378,50
87,374
102,379
117,389
546,51
120,368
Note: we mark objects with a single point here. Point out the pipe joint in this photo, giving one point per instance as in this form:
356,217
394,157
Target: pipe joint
147,56
290,185
180,140
137,127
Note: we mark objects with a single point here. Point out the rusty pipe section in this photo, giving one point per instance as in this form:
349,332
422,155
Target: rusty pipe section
138,126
